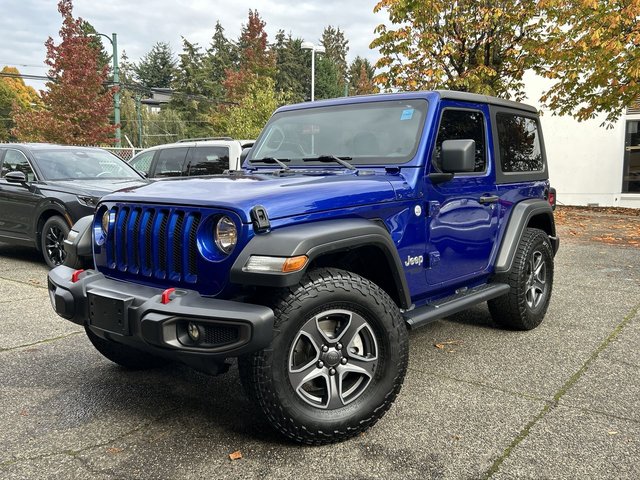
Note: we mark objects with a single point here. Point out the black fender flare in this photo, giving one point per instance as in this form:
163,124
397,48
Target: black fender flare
521,214
315,239
78,243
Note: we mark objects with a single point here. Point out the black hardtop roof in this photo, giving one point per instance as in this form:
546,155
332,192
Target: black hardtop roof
475,97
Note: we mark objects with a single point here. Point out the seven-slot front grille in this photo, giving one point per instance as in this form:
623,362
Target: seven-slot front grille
155,242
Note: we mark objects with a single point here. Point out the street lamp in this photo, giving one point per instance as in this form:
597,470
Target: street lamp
314,49
116,81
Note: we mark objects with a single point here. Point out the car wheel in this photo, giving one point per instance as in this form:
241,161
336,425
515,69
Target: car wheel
336,362
54,231
124,355
531,282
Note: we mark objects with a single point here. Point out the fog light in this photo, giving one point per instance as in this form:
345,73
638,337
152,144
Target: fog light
194,332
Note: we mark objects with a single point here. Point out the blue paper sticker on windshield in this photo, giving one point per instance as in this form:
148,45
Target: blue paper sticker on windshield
407,114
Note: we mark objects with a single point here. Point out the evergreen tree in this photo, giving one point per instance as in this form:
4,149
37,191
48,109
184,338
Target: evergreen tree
191,86
157,68
104,59
221,56
292,67
361,74
327,80
336,49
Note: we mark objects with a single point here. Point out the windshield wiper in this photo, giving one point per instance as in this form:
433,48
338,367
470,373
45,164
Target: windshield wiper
331,158
279,161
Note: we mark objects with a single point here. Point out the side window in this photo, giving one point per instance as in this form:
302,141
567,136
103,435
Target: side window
170,162
207,160
462,125
15,161
519,143
142,162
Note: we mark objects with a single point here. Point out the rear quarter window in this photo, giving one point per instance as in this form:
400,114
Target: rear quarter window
519,143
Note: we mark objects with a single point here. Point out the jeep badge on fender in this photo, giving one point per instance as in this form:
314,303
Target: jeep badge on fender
352,221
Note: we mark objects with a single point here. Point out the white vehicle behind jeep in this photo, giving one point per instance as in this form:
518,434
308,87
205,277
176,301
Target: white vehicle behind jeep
191,157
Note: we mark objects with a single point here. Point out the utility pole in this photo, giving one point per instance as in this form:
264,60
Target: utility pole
113,39
116,97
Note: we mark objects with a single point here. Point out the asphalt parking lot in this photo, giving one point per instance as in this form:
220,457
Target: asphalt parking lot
562,401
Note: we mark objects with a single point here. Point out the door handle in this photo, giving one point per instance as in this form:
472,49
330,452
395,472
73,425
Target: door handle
489,199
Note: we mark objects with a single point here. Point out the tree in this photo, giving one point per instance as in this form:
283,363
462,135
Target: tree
336,49
192,84
247,119
255,59
590,50
157,68
293,69
361,74
466,45
221,56
77,104
15,97
104,59
327,79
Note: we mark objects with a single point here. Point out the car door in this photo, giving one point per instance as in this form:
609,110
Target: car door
463,214
17,201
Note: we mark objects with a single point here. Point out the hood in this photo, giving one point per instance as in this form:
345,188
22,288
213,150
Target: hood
282,196
95,186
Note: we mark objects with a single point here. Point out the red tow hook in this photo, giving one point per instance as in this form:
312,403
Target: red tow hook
166,295
75,276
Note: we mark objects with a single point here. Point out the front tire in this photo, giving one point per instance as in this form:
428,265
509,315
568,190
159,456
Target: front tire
123,355
337,360
531,281
54,231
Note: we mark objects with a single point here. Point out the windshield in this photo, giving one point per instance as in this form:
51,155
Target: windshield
76,164
386,132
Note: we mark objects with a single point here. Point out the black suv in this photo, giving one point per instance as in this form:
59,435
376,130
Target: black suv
44,189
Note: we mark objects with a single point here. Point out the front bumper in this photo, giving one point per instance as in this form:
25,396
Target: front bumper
134,315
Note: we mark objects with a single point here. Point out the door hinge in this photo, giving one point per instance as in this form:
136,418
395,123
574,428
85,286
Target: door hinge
434,208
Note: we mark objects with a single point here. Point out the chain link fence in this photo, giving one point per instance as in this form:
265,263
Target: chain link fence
125,153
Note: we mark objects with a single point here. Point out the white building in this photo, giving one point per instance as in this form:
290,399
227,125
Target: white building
588,164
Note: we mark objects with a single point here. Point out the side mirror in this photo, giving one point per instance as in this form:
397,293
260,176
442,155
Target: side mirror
16,177
458,156
244,155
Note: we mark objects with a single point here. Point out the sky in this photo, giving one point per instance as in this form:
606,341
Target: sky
26,24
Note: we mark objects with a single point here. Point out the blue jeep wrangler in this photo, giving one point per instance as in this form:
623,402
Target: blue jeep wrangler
352,221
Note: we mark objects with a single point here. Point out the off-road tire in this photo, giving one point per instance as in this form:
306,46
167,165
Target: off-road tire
266,374
515,310
123,355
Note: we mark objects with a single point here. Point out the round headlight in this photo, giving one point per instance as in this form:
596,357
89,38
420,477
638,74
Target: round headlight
226,234
105,222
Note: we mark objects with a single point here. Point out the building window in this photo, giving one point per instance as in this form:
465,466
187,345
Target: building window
631,172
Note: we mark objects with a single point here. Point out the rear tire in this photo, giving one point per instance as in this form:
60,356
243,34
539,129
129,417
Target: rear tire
337,360
531,282
124,355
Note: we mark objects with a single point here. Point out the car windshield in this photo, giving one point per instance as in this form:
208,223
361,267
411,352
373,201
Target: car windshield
381,132
80,164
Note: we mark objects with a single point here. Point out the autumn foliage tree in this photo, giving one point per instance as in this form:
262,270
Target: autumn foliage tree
77,104
591,52
465,45
15,97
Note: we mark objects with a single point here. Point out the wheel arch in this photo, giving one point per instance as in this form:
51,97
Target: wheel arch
350,244
50,210
531,213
